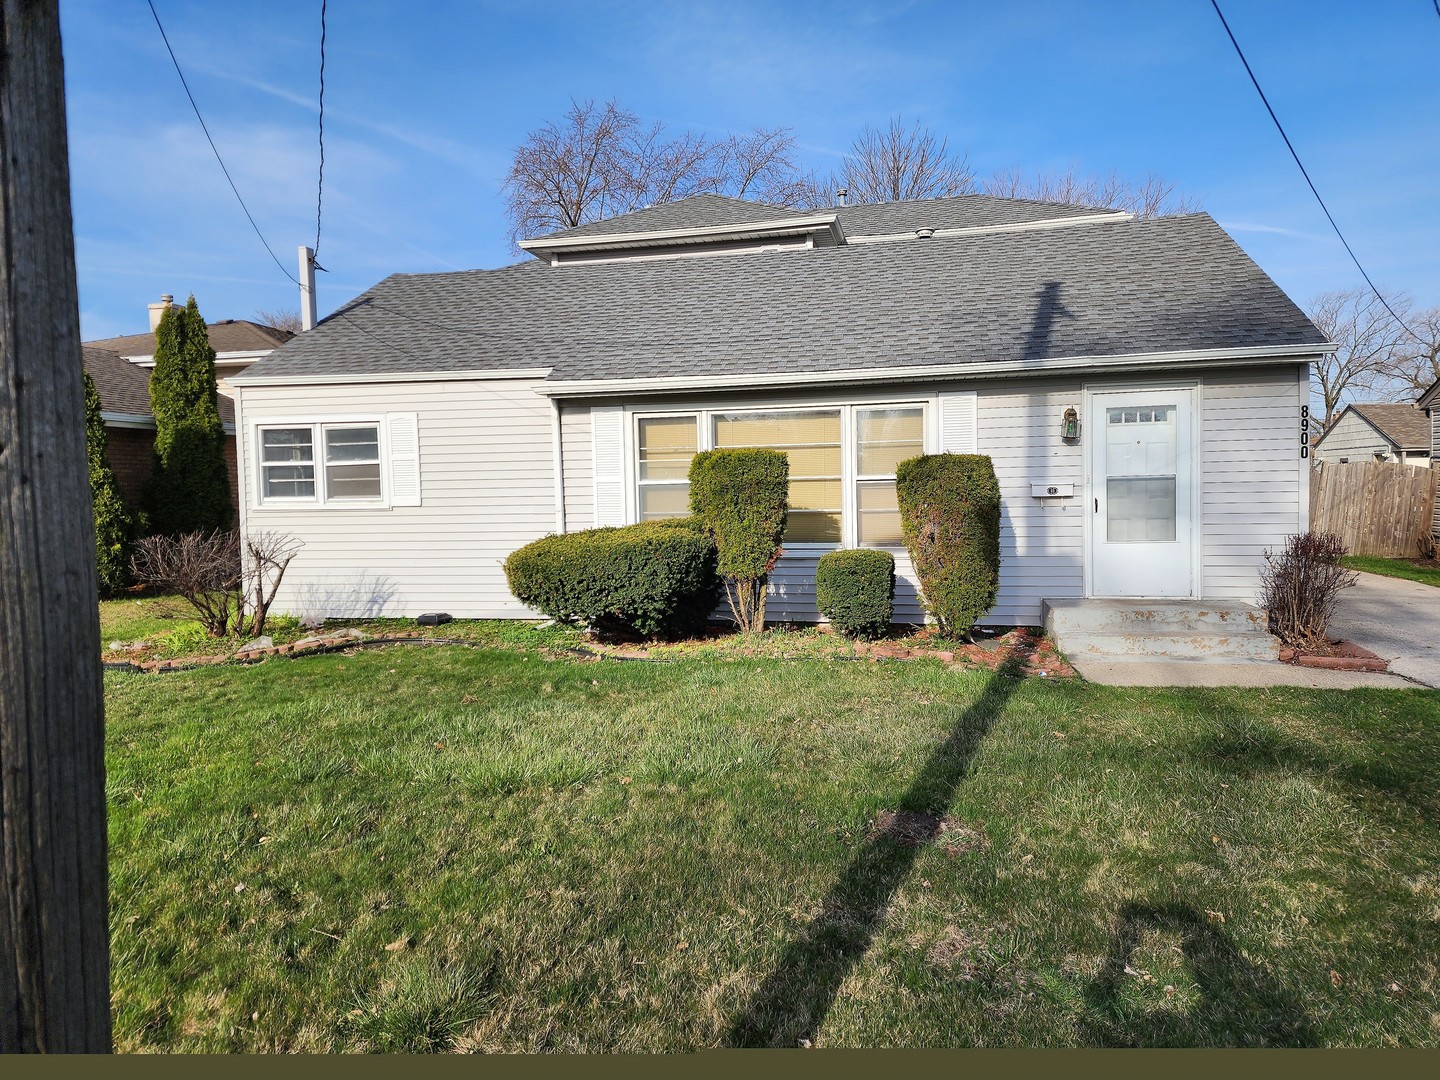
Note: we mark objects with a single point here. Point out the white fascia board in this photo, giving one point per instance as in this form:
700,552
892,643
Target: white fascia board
738,231
128,420
243,380
1019,226
220,357
1430,399
942,372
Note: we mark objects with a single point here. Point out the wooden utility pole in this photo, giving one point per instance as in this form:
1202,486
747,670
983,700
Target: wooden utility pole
54,941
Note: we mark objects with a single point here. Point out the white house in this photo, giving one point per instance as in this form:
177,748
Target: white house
1377,432
1140,386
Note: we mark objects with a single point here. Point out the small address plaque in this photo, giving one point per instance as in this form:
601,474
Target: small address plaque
1052,491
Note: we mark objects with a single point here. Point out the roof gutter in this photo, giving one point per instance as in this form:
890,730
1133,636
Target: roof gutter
1271,354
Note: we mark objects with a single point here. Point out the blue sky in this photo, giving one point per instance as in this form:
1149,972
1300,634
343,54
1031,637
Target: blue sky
425,102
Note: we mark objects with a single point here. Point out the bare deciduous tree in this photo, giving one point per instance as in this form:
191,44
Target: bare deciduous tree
1151,197
287,319
894,163
1367,340
1414,365
601,161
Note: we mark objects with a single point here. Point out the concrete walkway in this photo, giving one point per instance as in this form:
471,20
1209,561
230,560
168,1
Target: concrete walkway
1164,671
1396,619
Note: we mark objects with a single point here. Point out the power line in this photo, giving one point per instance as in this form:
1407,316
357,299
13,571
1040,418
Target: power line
1313,190
164,37
320,183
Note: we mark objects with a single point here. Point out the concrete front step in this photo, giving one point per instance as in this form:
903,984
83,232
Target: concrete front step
1181,629
1159,616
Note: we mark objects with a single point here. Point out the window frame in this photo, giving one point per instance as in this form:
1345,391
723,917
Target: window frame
849,451
635,512
872,478
322,496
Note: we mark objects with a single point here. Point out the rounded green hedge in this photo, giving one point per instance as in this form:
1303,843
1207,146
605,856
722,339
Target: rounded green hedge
656,579
950,518
855,590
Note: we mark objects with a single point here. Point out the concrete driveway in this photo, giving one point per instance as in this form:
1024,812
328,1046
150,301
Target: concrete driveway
1397,619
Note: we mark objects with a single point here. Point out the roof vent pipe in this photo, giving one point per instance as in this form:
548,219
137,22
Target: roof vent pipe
924,234
840,196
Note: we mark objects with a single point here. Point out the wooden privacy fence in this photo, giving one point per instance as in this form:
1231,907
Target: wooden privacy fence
1375,507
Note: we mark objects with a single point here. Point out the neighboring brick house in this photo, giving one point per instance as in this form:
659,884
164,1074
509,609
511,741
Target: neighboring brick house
124,391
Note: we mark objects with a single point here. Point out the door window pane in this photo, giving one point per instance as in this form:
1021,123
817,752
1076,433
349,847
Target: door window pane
811,442
1140,508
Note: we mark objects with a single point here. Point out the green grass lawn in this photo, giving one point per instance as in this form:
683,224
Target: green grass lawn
484,849
1426,572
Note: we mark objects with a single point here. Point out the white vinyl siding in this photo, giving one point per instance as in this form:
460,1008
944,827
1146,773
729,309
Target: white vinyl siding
1352,438
1254,480
485,483
1042,541
578,455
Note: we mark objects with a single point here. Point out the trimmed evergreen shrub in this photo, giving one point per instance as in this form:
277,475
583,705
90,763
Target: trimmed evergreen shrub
114,523
189,487
950,518
656,579
741,496
855,590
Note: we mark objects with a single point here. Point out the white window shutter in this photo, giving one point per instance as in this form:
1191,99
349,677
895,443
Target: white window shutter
607,439
404,450
959,423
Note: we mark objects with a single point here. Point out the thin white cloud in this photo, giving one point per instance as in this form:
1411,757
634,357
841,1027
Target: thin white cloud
1278,230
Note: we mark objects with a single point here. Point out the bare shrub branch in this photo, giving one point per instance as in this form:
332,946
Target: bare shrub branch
1300,587
203,567
267,555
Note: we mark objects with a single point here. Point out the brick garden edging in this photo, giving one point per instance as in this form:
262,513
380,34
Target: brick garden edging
311,646
1344,656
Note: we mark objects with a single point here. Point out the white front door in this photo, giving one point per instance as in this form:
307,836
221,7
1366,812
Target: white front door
1141,475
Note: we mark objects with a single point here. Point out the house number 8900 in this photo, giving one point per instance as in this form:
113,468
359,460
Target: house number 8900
1304,431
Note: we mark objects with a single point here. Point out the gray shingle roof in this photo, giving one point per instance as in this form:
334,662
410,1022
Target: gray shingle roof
956,212
1404,425
687,213
1167,284
125,388
228,335
873,219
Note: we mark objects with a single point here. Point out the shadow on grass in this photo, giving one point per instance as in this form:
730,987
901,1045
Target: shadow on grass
1240,1003
792,1002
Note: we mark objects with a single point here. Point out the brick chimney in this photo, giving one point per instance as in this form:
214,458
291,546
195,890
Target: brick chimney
156,310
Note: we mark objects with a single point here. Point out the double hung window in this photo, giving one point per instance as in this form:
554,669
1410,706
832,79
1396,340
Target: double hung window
326,463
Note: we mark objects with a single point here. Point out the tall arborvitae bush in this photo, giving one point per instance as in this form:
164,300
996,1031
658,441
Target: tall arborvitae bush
189,487
742,496
950,518
114,523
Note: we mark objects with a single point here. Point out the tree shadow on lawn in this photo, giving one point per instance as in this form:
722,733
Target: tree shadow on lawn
794,999
1240,1003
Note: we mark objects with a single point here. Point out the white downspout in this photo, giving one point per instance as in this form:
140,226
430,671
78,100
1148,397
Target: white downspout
558,455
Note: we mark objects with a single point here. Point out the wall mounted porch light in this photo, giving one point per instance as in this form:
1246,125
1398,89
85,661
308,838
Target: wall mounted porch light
1070,425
